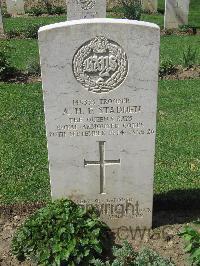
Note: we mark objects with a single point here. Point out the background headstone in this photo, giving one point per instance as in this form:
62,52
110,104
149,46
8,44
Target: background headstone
1,22
176,13
84,9
150,5
15,7
100,81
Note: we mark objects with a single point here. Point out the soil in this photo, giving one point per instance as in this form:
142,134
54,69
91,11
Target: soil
163,238
181,73
178,32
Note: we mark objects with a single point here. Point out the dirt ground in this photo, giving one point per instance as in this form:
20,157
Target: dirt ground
163,238
181,73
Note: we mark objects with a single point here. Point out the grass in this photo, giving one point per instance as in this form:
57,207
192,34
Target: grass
178,138
24,168
173,47
21,57
21,23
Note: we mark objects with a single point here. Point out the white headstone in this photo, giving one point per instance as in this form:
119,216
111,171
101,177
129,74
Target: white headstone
100,80
15,7
176,13
1,23
150,6
85,9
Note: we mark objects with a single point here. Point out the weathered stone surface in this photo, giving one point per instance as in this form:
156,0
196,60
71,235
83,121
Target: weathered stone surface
15,7
100,81
176,13
85,9
1,23
150,5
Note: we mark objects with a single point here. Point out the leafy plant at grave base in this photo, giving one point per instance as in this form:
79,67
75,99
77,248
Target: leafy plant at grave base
33,67
6,69
188,28
166,68
62,233
192,238
48,6
58,10
13,33
37,11
131,9
6,14
190,57
126,256
169,31
31,32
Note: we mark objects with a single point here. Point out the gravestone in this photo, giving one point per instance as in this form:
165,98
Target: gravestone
15,7
100,80
176,13
150,5
84,9
1,23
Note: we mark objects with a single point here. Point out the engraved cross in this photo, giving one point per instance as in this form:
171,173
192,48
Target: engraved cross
102,163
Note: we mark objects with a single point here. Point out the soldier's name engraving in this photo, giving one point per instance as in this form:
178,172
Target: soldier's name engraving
100,65
101,117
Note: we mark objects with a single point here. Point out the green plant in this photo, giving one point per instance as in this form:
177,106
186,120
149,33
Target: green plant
48,6
6,69
58,10
13,33
188,28
148,257
33,67
192,238
31,31
61,234
131,9
166,67
37,11
189,57
126,256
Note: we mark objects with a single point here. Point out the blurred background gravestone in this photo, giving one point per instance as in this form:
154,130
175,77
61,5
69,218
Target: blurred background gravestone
85,9
15,7
176,13
149,6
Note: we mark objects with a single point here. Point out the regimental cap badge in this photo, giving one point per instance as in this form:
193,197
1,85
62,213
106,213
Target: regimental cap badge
86,4
100,65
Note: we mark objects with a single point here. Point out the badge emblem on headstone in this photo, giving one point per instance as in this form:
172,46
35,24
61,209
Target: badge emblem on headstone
100,65
86,4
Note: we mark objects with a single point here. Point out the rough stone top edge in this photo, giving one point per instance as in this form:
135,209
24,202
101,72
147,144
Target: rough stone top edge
98,20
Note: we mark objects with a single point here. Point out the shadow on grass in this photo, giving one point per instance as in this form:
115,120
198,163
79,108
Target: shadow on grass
176,206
